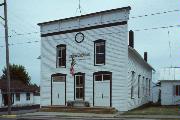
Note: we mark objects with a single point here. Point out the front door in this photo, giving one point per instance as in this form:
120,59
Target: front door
58,90
102,90
79,86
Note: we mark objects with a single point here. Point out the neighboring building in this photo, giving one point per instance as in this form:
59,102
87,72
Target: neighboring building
21,95
170,86
87,58
156,92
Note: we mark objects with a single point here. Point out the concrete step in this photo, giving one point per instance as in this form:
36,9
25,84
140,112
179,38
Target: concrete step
97,110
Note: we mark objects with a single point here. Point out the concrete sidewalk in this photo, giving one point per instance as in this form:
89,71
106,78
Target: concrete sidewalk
149,116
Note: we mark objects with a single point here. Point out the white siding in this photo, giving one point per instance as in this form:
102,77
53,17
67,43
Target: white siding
167,93
23,101
140,68
86,21
116,62
36,100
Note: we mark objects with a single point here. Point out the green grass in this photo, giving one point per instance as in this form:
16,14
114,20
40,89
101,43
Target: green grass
155,110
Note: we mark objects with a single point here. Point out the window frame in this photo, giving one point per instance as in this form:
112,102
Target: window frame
132,84
139,88
99,43
19,96
60,48
28,96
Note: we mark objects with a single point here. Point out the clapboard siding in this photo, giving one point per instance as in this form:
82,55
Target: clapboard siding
139,67
116,61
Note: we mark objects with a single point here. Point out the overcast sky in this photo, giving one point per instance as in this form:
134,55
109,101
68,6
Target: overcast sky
24,15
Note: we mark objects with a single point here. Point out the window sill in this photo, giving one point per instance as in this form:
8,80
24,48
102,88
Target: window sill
99,64
61,67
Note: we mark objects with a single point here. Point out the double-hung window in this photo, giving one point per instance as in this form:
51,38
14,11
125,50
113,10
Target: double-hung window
99,52
61,55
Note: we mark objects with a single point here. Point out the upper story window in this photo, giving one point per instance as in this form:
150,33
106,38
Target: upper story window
99,52
61,55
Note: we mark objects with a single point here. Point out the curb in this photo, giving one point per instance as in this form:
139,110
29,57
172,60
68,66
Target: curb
8,116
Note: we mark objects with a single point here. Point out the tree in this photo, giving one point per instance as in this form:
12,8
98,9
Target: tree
17,72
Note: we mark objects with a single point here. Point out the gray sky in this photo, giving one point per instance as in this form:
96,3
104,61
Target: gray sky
24,15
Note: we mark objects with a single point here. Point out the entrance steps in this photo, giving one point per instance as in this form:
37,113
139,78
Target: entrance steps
97,110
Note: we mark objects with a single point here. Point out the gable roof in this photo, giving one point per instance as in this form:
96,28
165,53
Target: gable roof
17,86
130,49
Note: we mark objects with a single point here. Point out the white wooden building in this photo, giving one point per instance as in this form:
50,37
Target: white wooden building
21,95
87,58
170,86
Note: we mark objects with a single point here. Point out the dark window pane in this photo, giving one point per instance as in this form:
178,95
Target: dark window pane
176,90
98,78
100,58
77,92
77,81
58,78
106,77
81,80
59,55
81,93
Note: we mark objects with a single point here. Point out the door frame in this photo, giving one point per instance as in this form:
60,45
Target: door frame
83,74
103,72
57,74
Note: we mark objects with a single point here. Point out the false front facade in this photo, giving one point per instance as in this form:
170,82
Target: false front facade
87,58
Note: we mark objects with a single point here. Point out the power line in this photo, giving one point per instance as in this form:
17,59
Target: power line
12,44
137,30
157,13
140,16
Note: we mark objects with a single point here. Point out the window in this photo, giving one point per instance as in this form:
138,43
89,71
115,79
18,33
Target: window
102,77
59,78
17,96
139,77
27,96
149,87
143,87
79,85
177,90
99,52
132,84
147,81
61,56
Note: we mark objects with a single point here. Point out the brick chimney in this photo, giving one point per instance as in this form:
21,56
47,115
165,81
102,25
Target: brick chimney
131,38
145,56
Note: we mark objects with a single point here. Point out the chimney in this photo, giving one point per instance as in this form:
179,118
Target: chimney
145,56
131,38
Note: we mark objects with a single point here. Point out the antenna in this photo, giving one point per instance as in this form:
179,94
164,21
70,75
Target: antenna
79,8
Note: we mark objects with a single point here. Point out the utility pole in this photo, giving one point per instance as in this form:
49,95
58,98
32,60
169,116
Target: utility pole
7,55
